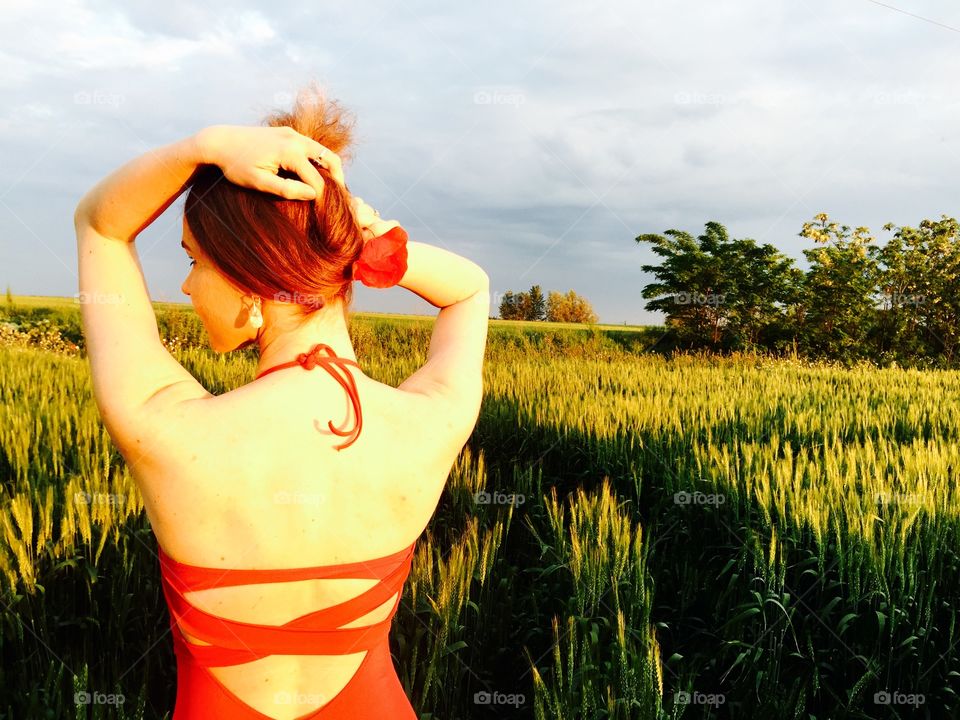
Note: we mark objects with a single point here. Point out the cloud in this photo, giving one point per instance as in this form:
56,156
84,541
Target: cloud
537,139
79,39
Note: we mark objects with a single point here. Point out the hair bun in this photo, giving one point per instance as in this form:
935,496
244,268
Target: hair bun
318,117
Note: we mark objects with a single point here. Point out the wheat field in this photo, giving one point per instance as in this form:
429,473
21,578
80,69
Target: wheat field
624,536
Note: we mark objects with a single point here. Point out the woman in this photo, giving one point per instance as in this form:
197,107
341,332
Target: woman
267,507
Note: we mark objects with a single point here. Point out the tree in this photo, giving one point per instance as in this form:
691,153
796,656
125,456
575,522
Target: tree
690,285
920,286
9,296
856,301
569,308
717,291
523,306
508,306
839,289
537,304
764,284
514,307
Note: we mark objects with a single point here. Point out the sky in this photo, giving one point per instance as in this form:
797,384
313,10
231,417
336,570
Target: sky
538,139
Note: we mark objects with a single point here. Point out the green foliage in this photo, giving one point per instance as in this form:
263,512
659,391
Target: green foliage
514,307
838,302
538,306
920,284
857,302
717,292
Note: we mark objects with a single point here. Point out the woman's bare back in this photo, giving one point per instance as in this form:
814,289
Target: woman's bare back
257,484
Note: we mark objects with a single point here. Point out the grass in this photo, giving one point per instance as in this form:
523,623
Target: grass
624,536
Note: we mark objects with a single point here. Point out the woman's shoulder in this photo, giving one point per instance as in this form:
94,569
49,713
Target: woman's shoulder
262,428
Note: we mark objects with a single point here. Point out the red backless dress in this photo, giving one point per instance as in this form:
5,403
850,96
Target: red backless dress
373,693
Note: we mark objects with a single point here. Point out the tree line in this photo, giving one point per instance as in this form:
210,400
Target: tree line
557,307
897,302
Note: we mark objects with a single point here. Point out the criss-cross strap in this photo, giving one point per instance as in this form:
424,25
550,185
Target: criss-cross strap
232,642
331,362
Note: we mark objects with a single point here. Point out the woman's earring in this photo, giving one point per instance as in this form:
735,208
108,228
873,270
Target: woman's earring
256,319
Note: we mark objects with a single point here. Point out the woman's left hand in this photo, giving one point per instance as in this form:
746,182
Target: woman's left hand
252,156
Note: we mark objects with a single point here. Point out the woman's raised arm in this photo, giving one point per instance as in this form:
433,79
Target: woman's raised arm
125,202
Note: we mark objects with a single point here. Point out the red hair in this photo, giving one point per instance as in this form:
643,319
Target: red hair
295,250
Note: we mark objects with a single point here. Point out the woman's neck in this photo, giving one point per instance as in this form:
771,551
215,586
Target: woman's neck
284,338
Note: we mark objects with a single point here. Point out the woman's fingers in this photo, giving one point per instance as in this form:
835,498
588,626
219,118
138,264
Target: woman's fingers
251,157
328,159
290,188
310,175
285,187
359,209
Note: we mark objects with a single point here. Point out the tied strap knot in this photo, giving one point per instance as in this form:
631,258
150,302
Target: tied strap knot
331,363
308,360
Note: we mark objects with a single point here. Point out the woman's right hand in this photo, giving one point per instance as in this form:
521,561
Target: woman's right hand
369,220
252,157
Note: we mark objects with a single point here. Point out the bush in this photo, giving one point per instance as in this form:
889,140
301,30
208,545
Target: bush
42,334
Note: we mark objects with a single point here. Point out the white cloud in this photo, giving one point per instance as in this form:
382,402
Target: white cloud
76,40
674,112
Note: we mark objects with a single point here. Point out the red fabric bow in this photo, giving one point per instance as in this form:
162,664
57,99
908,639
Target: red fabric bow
383,260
